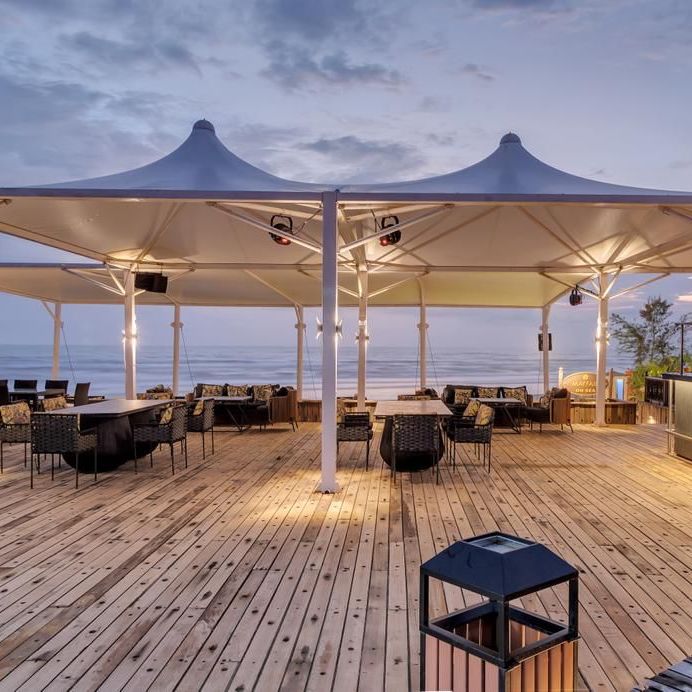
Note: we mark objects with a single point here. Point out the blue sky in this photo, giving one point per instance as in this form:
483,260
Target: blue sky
342,90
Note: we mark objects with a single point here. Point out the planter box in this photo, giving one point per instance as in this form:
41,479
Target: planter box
450,668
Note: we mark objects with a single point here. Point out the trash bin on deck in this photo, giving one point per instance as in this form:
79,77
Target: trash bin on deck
495,646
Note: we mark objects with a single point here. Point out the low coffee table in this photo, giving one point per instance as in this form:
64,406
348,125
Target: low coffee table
511,407
235,409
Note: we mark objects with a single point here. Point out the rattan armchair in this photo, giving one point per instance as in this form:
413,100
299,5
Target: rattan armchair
60,434
14,428
201,419
163,432
416,435
355,427
479,433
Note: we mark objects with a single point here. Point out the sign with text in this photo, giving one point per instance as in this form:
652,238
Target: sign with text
582,385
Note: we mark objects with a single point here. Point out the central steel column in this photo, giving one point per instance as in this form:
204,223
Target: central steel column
130,338
330,308
57,328
545,335
177,326
362,333
422,338
300,341
601,350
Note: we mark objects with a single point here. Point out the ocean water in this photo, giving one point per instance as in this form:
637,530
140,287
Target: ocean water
390,370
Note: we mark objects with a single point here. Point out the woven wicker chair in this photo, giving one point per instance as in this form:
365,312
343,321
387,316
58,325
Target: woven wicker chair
13,433
202,422
60,434
355,427
81,394
57,384
416,435
163,433
480,435
4,393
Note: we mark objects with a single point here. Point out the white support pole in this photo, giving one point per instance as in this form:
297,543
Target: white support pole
177,326
300,342
422,338
362,333
330,307
57,329
545,336
601,351
130,338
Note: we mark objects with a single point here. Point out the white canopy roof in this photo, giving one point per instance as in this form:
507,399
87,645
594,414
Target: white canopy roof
98,284
507,231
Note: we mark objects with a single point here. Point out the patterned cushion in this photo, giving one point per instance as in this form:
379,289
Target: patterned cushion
472,408
199,407
263,392
487,392
168,394
16,414
53,403
236,390
413,397
516,393
212,390
484,415
159,388
462,395
166,415
340,410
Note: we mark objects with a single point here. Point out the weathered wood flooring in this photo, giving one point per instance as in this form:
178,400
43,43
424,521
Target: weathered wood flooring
234,574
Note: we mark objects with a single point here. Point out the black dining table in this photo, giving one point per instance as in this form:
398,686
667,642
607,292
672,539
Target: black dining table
113,420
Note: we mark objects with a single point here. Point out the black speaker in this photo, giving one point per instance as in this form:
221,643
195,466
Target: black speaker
540,341
148,281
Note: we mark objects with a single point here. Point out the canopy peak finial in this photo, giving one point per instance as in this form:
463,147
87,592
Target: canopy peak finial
510,138
203,125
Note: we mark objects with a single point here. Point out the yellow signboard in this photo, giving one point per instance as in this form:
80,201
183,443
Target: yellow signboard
581,384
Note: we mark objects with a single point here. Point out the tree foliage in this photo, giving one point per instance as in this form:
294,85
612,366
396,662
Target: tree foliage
649,339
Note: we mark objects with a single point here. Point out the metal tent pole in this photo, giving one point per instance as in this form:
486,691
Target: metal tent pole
330,336
422,338
177,326
130,337
362,333
57,329
300,342
601,350
545,336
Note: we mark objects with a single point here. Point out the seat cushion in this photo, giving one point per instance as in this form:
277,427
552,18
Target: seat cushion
462,395
484,415
515,393
236,390
262,392
488,392
211,390
54,403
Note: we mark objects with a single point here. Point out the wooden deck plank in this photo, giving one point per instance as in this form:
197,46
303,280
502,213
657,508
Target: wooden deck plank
236,573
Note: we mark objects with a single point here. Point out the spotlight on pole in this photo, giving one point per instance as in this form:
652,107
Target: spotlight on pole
391,238
283,224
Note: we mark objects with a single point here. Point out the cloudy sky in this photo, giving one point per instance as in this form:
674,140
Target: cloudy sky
341,90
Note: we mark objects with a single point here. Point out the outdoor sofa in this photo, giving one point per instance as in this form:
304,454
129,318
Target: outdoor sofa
459,395
267,403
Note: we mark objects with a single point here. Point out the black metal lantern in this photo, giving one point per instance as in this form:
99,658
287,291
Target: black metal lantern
492,645
575,296
283,224
391,238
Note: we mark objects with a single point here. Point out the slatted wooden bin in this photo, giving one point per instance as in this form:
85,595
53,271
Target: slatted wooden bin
494,646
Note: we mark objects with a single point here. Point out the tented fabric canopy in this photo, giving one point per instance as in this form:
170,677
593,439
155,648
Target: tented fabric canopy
93,284
497,233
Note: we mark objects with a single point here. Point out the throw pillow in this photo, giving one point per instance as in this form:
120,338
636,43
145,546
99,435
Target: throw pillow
54,403
236,390
487,392
263,392
166,415
462,395
199,407
212,390
472,409
484,415
16,414
516,393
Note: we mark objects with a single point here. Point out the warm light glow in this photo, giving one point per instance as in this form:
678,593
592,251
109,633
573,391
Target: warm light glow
651,420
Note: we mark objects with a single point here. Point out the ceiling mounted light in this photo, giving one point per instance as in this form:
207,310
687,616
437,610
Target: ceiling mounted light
283,224
391,238
575,296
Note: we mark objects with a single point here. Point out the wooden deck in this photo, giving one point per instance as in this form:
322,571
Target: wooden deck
235,574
